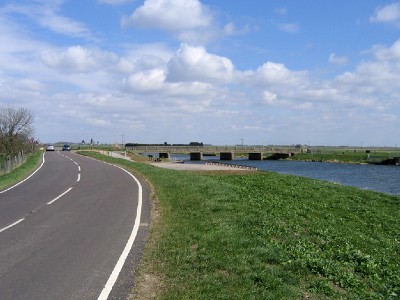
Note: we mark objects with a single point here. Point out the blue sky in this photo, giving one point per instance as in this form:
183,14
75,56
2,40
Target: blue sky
154,71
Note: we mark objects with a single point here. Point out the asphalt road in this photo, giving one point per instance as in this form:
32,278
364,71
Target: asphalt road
73,230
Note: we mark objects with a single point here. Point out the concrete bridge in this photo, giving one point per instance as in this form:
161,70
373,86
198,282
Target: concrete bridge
224,152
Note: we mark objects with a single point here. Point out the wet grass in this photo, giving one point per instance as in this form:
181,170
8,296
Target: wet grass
270,236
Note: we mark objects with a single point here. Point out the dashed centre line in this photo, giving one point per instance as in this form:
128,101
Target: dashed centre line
11,225
58,197
48,203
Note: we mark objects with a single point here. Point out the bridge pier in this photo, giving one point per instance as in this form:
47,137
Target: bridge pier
164,155
256,156
226,155
196,155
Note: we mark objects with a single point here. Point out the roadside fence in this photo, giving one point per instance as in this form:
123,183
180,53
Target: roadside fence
10,163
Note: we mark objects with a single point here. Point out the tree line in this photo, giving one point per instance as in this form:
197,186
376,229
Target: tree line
16,130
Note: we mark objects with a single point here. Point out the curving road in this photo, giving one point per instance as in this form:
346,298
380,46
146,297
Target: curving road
74,230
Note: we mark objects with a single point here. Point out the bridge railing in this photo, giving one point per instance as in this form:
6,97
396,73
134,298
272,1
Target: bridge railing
211,149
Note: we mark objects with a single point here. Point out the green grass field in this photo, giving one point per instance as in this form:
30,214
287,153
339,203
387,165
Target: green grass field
269,236
346,156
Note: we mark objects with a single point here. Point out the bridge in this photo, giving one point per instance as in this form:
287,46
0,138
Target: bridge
224,152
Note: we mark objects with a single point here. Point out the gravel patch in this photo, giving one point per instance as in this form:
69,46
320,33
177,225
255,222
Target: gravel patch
194,167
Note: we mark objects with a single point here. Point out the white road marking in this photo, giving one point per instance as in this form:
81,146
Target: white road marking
79,177
58,197
79,168
11,225
25,178
117,269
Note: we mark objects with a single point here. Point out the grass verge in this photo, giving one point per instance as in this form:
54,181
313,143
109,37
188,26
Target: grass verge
345,156
23,171
223,235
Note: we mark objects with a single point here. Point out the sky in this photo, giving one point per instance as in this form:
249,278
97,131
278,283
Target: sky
220,72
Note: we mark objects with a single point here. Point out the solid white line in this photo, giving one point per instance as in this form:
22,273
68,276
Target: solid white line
117,269
58,197
26,177
11,225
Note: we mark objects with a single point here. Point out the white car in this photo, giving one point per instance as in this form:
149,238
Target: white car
50,148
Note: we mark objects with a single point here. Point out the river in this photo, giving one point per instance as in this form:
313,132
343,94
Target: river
380,178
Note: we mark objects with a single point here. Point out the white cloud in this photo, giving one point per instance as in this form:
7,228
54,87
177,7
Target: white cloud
269,98
115,2
196,64
147,81
289,27
385,54
78,59
339,60
46,14
387,14
189,21
274,74
171,15
31,85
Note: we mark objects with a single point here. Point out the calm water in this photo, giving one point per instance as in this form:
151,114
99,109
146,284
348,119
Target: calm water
369,177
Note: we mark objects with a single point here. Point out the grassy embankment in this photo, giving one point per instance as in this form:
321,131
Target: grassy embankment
346,156
22,171
263,235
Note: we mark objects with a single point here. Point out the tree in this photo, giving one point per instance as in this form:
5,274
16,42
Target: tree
16,129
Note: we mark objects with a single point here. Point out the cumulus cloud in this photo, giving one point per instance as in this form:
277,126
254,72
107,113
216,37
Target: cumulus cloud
78,59
275,74
171,15
189,21
385,65
196,64
145,81
387,14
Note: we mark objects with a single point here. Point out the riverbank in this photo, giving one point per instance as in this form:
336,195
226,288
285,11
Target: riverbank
346,156
263,235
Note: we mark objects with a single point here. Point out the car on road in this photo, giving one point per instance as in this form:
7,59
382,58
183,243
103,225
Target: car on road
50,148
66,148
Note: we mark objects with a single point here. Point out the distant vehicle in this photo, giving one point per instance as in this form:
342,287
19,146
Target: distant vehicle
50,148
66,148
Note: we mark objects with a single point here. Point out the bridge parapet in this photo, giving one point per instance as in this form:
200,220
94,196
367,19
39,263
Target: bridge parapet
212,149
